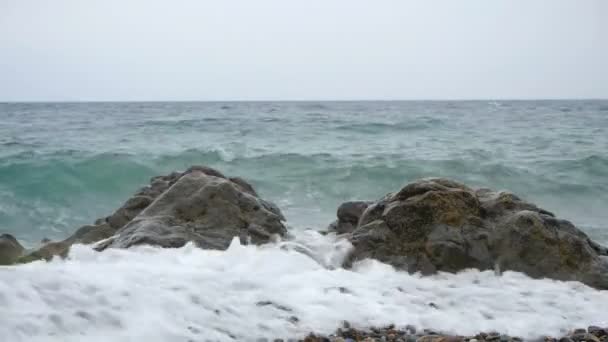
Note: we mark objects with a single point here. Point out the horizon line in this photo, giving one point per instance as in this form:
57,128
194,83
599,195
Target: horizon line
310,100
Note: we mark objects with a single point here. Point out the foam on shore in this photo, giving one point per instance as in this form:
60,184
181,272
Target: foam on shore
248,292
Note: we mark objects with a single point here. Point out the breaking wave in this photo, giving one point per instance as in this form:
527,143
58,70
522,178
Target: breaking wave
50,195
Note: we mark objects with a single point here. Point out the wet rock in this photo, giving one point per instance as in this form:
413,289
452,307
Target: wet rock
10,249
244,185
47,251
493,336
84,235
597,331
436,224
390,333
348,216
129,210
351,211
90,234
430,338
580,337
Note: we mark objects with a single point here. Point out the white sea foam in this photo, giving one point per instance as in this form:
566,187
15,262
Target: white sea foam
188,294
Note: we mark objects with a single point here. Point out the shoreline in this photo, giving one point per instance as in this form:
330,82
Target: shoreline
410,334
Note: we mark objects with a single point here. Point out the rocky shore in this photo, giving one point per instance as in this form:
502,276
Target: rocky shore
410,334
428,226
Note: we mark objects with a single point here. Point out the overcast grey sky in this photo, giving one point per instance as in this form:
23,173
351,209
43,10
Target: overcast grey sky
315,49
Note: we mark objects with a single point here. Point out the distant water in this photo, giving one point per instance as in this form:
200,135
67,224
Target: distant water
64,164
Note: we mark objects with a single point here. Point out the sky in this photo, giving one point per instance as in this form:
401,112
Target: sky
138,50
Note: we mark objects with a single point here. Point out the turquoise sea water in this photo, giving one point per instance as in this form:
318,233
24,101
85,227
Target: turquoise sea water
65,164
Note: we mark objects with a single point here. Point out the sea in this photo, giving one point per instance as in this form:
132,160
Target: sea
63,165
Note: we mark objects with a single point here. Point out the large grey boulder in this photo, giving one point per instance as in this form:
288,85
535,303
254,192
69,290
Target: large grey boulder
437,224
10,249
205,209
199,205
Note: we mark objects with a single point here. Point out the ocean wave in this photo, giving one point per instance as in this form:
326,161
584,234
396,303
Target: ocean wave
199,124
313,106
95,171
10,143
248,292
592,164
380,127
55,193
